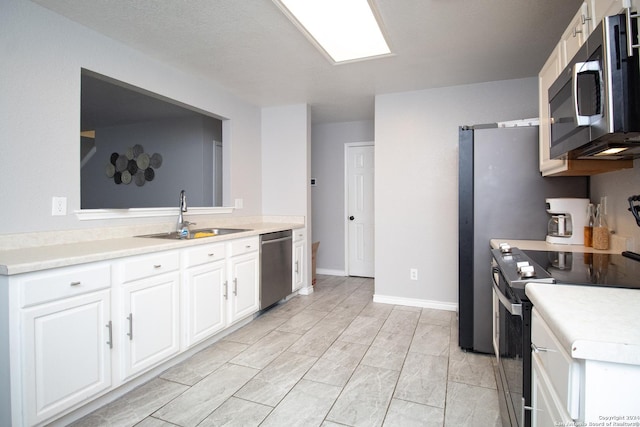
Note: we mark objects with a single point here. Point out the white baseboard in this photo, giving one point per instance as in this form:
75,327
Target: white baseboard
412,302
330,272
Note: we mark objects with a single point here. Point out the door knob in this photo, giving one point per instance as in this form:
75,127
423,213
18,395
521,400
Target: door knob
351,218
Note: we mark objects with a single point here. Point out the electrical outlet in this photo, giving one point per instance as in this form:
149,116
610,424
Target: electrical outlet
58,205
238,203
413,274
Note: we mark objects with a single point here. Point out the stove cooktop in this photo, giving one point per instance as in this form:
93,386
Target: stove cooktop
596,269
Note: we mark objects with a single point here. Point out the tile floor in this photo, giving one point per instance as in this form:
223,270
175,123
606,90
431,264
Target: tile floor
332,358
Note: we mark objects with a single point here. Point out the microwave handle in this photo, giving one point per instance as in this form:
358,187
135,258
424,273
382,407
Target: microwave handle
578,68
514,309
630,16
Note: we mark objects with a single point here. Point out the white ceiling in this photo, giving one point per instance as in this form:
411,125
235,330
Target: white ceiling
253,50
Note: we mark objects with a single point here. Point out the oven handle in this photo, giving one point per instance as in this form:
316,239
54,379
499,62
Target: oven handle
514,309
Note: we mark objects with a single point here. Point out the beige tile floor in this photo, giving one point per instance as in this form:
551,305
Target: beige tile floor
332,358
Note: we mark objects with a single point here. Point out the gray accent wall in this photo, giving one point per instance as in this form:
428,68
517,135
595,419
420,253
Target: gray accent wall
327,196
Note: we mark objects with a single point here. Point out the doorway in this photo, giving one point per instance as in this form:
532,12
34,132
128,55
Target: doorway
359,207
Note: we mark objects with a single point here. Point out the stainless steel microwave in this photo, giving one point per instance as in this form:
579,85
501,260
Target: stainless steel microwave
594,104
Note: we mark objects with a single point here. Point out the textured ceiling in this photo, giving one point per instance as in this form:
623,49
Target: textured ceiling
252,49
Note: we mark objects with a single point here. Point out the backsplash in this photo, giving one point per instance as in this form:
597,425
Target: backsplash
617,187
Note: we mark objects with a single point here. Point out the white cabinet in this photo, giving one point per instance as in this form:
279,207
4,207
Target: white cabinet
244,278
204,292
576,33
568,391
66,339
149,311
299,257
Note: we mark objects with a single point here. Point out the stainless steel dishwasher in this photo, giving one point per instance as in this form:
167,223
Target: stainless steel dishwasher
275,267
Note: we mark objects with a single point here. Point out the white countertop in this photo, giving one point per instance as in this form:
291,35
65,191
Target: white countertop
25,260
593,323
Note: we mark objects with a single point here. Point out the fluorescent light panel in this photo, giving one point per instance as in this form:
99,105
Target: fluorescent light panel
346,30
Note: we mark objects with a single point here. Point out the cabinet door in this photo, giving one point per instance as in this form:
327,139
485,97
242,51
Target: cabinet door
244,286
66,353
601,8
298,265
204,301
149,322
546,412
575,34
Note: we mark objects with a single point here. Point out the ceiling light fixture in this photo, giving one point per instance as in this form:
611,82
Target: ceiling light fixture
345,30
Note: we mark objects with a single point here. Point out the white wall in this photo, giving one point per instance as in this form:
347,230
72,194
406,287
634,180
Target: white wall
42,54
327,166
618,186
286,160
416,179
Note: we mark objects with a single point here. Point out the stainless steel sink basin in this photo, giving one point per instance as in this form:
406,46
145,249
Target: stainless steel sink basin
196,234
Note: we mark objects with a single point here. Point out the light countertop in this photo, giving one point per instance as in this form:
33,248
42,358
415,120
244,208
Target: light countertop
25,260
593,323
617,246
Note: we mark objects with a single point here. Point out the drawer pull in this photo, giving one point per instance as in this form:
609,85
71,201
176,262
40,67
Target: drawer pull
130,333
75,283
210,254
248,247
537,349
157,265
110,327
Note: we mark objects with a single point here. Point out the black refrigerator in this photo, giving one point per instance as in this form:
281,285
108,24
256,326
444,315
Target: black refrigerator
501,195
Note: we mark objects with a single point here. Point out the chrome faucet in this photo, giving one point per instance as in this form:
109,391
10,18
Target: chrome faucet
183,226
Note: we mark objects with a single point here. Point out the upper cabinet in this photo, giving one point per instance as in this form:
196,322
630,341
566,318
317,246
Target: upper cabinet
590,13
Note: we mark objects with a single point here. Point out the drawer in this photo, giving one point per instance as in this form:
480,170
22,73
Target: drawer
562,370
50,285
149,265
204,254
299,234
243,246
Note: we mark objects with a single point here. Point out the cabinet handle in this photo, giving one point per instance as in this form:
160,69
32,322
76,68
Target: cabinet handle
109,326
75,283
130,333
235,286
157,265
296,267
248,247
576,32
226,289
210,254
537,349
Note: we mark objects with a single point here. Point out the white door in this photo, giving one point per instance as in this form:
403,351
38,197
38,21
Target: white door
360,218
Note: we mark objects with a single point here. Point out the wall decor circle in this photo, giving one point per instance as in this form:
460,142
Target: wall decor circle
133,165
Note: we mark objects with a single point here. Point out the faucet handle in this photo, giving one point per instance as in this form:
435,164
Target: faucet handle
188,223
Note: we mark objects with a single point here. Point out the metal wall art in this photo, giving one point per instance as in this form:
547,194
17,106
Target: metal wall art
134,165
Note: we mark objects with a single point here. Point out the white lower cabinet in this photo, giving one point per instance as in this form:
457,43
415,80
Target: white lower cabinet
299,273
75,333
204,293
149,319
568,391
65,340
244,279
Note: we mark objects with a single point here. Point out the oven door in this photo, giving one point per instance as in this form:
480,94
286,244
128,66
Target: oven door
510,336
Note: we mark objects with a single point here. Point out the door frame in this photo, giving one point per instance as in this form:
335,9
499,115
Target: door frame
345,180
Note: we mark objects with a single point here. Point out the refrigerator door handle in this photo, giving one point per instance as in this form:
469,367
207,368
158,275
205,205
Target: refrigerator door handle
514,309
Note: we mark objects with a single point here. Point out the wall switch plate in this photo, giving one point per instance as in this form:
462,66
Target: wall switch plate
413,274
58,205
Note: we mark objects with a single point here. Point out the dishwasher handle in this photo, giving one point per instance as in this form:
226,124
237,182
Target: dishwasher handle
282,239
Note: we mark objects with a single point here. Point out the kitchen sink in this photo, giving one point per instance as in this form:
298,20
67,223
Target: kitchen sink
196,234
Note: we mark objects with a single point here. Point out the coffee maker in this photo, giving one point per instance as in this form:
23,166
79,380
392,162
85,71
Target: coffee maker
568,217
